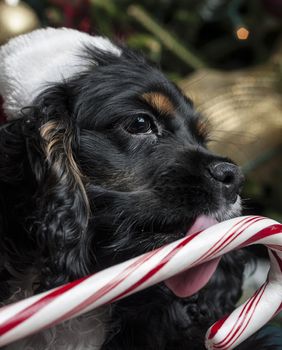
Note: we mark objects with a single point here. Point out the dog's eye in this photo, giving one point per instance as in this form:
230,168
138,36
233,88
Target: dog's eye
141,124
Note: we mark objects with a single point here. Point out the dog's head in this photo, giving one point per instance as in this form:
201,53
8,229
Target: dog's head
110,163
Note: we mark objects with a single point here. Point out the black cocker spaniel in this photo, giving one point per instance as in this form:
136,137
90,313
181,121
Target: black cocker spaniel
105,162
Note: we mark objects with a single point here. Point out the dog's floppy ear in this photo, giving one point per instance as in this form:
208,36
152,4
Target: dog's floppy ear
47,137
43,199
62,208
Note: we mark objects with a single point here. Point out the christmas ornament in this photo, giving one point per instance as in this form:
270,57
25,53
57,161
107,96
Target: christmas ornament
16,18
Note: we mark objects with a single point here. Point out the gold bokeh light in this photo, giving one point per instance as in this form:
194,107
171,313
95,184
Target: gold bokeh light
242,33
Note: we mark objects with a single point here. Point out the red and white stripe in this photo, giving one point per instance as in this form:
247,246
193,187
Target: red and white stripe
253,314
50,308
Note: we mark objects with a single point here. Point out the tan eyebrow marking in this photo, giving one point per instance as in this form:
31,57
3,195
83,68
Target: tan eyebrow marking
203,127
160,102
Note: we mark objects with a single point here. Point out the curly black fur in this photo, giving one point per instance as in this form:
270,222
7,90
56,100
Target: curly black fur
79,192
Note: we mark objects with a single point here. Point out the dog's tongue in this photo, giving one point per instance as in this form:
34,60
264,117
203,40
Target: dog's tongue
191,281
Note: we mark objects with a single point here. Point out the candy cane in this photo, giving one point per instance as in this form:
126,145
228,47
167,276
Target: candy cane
57,305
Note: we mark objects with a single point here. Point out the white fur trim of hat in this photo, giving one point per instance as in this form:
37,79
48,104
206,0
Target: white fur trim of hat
30,61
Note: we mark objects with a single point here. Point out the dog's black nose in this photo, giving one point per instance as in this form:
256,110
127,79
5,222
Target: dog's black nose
230,178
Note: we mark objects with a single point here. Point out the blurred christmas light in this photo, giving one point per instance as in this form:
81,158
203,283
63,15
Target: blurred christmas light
242,33
12,2
16,17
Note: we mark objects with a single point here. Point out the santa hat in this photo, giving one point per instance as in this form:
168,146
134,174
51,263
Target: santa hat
31,61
